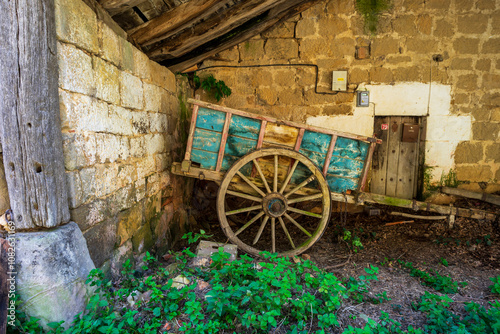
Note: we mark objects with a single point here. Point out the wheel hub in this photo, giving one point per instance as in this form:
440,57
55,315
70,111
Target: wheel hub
274,205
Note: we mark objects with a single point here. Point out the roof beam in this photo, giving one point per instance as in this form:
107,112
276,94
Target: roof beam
115,7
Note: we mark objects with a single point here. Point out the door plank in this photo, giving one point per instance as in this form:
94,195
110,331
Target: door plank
394,141
407,164
379,165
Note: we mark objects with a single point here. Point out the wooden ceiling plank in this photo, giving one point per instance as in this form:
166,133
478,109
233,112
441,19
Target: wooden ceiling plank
175,20
115,7
278,14
214,27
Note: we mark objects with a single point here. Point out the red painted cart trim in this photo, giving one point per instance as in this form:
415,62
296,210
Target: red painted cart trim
192,127
329,154
368,162
225,133
299,140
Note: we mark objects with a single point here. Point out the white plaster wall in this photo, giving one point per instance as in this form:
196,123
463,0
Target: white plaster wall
444,130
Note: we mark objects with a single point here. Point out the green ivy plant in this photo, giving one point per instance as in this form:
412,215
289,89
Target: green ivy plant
371,10
213,87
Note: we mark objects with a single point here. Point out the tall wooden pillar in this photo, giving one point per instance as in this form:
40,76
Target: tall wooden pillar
30,124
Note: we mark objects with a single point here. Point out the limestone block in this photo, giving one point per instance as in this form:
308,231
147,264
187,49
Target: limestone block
456,128
162,161
140,122
137,147
122,199
107,81
493,152
380,74
424,24
483,65
129,222
491,99
438,4
143,239
111,148
384,46
414,5
266,96
290,96
420,45
281,30
461,64
76,23
140,189
463,5
345,7
472,23
330,26
4,194
158,122
152,97
407,74
440,153
127,51
131,91
119,121
153,204
338,109
405,25
252,49
75,70
465,45
474,173
485,5
491,81
358,75
495,24
283,77
467,81
106,182
52,267
141,65
82,113
443,28
110,45
79,150
145,167
481,114
154,143
162,77
495,115
101,240
485,131
120,256
153,186
75,192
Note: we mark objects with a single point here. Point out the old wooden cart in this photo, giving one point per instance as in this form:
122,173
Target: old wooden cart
283,174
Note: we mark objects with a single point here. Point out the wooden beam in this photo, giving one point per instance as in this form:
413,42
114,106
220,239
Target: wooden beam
490,198
169,23
213,27
277,14
29,114
115,7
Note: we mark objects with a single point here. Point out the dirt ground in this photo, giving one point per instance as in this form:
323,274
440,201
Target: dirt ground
471,248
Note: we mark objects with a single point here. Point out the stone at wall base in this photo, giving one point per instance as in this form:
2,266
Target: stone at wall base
52,267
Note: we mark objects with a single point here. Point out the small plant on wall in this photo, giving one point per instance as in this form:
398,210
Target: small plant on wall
371,10
213,87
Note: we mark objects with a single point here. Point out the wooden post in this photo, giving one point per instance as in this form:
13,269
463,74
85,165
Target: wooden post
29,114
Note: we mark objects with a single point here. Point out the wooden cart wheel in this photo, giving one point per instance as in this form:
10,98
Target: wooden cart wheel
277,181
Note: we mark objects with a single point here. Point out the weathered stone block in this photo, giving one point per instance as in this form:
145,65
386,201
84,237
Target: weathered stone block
495,23
491,99
75,70
462,99
127,52
290,97
87,176
306,27
284,77
481,114
252,49
495,115
145,167
407,74
111,148
90,214
424,24
131,91
152,97
380,74
143,239
438,4
492,45
110,45
79,150
281,48
101,240
137,147
106,179
338,109
483,65
421,45
344,7
493,152
51,270
122,199
119,121
461,64
331,26
341,47
142,68
154,143
159,122
463,5
75,194
129,221
468,153
152,184
140,122
465,45
281,30
357,75
485,131
485,4
107,81
467,81
266,96
491,81
414,5
153,205
472,23
384,46
443,28
76,23
120,256
405,25
474,173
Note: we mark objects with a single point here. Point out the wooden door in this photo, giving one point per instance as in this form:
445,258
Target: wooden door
396,160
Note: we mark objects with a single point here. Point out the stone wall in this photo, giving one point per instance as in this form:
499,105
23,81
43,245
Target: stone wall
120,115
460,96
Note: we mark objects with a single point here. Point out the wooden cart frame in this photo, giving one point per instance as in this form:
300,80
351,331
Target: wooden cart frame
278,167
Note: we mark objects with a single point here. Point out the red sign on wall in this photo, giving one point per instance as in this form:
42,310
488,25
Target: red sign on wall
385,126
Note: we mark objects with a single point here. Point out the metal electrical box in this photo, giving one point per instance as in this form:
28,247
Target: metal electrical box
339,81
410,133
363,99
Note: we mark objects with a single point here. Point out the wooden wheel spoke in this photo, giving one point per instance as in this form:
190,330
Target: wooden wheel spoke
275,183
282,223
298,225
289,176
250,208
259,170
305,198
261,228
246,196
273,234
300,186
250,183
253,220
307,213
